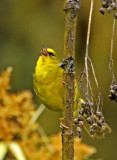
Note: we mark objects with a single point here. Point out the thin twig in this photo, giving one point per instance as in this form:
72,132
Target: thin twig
111,54
94,73
87,46
100,98
91,91
99,102
80,81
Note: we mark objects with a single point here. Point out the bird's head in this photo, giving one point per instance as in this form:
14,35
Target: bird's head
48,52
48,55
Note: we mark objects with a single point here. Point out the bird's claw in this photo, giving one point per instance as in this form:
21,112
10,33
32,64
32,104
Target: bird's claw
62,125
63,82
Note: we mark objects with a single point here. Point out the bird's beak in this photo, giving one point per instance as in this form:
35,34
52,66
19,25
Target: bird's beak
44,52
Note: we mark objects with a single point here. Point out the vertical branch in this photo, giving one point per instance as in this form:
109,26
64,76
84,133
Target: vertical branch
71,8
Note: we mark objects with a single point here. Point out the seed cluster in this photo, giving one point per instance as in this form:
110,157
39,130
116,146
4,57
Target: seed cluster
113,92
96,122
109,5
80,123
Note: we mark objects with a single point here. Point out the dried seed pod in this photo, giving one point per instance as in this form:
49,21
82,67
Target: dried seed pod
102,119
99,122
111,87
109,9
87,111
76,121
115,87
91,130
79,135
109,5
81,123
111,97
94,125
112,91
90,120
83,104
114,6
103,127
104,4
89,108
102,11
81,112
116,15
80,118
79,129
99,114
94,118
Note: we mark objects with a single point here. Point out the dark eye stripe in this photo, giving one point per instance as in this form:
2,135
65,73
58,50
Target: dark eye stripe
51,54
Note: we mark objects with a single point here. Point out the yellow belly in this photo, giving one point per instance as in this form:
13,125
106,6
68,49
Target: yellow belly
48,86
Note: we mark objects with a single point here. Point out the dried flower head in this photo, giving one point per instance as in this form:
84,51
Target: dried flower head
113,92
109,5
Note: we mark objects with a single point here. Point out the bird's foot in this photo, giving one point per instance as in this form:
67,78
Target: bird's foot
63,82
62,126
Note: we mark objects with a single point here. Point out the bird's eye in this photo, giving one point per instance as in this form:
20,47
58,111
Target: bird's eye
51,54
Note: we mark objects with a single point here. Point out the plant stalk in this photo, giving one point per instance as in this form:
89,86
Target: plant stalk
71,8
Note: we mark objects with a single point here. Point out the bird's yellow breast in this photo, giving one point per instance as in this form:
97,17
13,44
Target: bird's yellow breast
48,83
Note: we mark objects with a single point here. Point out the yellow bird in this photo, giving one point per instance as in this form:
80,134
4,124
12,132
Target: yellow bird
48,80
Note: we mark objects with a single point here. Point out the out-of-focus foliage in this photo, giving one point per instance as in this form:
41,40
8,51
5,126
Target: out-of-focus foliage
16,111
81,150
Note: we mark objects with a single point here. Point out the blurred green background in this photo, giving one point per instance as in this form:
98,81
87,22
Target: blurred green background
26,24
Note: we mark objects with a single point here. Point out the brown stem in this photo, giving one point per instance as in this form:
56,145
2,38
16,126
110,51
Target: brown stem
111,54
71,8
87,49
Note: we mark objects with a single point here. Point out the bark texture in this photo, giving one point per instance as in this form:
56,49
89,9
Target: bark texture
71,8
